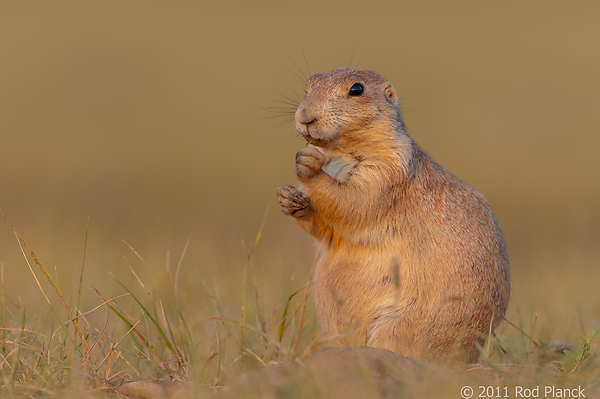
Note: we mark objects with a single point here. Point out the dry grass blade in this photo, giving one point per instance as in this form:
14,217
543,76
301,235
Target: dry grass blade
51,281
105,302
539,345
260,320
161,332
89,353
139,280
83,263
108,358
134,251
303,303
179,267
3,336
122,317
264,336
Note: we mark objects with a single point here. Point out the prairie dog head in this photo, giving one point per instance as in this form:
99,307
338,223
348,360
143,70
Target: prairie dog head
344,102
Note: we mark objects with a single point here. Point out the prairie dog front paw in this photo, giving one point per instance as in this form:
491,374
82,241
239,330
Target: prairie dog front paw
292,201
309,162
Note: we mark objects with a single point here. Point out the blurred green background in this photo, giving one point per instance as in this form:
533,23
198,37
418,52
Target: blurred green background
153,120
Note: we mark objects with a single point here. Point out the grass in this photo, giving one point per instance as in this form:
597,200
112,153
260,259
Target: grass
145,333
87,344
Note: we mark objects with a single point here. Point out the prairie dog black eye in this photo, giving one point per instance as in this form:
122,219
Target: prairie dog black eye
356,89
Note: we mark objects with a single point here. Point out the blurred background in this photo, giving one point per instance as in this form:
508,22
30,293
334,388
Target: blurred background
160,122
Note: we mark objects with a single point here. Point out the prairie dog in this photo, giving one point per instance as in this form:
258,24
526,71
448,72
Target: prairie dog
412,258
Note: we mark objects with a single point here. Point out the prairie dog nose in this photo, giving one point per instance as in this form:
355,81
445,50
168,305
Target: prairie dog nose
305,114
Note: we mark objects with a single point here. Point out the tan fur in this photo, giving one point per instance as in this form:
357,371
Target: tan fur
412,258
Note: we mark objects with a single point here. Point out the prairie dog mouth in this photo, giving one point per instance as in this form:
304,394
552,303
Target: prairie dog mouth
315,142
311,140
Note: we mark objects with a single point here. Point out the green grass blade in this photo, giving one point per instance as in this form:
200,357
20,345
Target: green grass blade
152,319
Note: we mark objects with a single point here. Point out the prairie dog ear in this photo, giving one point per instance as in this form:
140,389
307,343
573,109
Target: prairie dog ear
390,93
